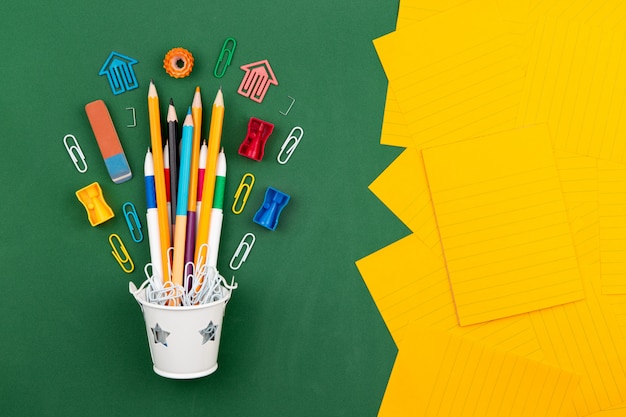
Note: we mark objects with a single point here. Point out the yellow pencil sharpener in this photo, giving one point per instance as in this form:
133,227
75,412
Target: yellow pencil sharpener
98,211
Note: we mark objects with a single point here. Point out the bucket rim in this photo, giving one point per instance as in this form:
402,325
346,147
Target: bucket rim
140,297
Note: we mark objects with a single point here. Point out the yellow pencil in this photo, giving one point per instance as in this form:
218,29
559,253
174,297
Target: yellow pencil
208,188
159,175
196,113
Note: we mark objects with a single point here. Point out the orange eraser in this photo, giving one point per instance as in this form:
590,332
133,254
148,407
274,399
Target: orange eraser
108,141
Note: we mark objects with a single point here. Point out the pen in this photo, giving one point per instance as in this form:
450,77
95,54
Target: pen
217,213
152,220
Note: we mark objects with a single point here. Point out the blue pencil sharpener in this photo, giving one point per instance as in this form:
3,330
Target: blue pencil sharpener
273,204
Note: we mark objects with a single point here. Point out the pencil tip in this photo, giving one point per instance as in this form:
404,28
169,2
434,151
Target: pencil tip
171,101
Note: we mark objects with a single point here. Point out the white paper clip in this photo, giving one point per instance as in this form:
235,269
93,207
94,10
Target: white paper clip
75,153
245,243
288,148
132,109
293,100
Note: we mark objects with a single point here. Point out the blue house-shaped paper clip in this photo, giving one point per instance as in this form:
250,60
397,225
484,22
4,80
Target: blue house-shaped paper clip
118,69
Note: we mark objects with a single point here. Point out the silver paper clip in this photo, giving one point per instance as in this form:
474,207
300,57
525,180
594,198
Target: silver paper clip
293,100
228,52
132,109
295,140
132,220
246,244
124,258
243,185
75,153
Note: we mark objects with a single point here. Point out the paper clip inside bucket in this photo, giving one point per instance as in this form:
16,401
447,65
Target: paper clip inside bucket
124,258
289,145
245,187
75,152
246,246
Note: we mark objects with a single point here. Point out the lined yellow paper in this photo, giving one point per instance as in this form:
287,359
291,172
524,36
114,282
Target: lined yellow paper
394,130
503,225
404,190
438,374
451,86
575,84
612,200
410,284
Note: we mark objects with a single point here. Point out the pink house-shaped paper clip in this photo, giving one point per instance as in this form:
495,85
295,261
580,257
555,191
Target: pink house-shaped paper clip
259,76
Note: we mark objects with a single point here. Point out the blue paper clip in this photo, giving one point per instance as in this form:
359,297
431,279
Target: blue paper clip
246,243
229,53
76,153
295,140
132,220
125,262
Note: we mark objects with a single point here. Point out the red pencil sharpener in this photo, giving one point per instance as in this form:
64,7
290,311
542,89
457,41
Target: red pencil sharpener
253,146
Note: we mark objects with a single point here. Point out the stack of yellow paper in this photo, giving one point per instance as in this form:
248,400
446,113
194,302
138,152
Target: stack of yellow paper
509,296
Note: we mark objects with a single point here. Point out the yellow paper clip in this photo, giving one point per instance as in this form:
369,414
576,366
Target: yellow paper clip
246,243
228,52
243,185
295,140
75,153
126,262
132,220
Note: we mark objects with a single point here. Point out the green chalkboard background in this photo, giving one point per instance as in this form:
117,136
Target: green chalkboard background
301,336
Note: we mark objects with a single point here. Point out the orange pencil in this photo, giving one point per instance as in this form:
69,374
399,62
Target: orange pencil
159,175
208,188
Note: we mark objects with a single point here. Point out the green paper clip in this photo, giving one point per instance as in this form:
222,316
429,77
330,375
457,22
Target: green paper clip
132,220
225,51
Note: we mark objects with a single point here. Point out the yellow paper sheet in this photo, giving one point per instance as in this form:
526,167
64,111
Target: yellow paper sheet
575,84
394,131
403,188
438,374
503,224
585,336
457,74
612,200
409,283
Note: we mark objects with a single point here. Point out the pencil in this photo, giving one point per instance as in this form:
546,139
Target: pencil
215,137
178,263
201,170
168,194
172,129
196,111
159,174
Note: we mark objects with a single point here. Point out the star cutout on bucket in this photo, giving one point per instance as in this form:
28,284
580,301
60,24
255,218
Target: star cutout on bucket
159,334
208,333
